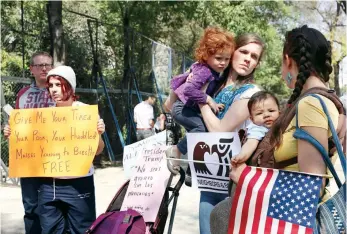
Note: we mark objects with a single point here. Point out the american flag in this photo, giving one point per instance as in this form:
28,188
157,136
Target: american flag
270,201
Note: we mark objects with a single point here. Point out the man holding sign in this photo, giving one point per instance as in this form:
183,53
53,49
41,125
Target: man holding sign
59,144
33,96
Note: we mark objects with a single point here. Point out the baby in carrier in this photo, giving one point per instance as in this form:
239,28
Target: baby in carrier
263,108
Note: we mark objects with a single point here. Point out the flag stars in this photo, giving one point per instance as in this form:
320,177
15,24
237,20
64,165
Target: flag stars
309,224
299,221
315,187
304,218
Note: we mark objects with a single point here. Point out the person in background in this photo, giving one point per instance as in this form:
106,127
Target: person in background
34,96
159,124
144,118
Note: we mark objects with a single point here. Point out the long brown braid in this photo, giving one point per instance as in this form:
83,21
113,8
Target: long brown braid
312,53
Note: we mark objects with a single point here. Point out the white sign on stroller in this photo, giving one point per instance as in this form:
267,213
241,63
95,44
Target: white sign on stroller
133,152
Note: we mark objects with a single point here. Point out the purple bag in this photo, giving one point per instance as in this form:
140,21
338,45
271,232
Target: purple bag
119,222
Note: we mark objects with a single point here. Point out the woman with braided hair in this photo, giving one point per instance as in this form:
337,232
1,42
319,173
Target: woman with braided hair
306,64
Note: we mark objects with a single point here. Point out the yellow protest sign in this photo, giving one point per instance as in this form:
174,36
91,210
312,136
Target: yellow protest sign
53,142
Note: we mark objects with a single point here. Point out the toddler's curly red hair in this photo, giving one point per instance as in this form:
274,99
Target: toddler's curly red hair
214,40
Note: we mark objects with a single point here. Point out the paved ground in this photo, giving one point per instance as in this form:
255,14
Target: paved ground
107,183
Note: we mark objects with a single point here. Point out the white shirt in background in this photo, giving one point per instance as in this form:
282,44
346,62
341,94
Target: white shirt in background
143,113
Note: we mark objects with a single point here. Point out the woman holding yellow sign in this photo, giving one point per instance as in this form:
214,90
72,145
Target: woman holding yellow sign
67,203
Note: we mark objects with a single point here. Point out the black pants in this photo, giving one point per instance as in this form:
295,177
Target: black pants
68,204
190,119
29,187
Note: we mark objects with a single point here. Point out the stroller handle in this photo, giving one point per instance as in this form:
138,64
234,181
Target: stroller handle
230,187
181,180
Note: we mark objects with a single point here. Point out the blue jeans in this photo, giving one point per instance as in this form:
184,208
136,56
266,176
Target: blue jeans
208,200
30,187
67,206
190,119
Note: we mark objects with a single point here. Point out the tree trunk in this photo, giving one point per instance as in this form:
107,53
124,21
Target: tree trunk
336,78
55,23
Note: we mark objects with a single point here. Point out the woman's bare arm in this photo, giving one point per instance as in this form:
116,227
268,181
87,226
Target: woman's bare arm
309,158
235,116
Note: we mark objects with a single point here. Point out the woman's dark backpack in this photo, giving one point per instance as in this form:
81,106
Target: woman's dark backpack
264,154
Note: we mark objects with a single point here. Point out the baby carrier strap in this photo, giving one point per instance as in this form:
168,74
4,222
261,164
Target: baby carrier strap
264,154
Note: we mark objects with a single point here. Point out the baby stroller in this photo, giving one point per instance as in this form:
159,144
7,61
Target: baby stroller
171,193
